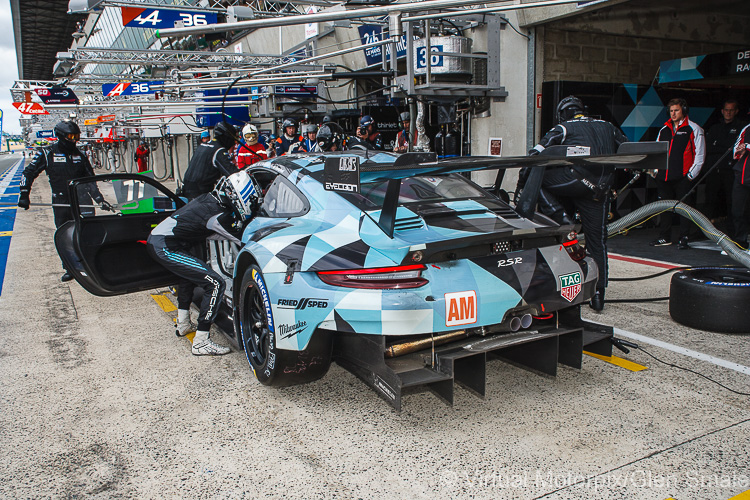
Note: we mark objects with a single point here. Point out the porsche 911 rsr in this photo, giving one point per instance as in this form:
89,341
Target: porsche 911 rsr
397,267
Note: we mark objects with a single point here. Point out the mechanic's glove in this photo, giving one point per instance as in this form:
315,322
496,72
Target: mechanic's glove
23,199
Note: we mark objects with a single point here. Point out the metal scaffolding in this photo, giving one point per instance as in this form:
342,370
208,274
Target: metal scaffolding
171,58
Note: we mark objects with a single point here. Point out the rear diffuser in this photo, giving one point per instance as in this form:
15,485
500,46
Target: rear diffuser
437,370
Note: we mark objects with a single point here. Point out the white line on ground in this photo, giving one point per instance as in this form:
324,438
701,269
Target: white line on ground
681,350
8,176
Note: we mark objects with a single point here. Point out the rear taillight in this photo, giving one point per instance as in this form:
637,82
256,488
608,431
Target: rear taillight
575,250
377,277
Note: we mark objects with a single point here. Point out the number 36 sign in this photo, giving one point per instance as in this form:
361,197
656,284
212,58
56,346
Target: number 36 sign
129,88
137,17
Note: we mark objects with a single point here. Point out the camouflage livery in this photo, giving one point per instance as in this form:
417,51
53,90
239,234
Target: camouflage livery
332,233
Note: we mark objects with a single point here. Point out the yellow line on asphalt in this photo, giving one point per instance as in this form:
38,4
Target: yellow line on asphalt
168,306
745,495
8,208
624,363
6,233
164,303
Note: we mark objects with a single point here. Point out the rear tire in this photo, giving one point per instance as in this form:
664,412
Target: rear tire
711,299
273,366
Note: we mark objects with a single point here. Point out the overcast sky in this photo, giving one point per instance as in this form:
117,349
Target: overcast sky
9,71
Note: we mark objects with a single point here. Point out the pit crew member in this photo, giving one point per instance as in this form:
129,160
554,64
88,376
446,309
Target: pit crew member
251,151
587,188
687,150
175,243
741,189
63,162
289,141
210,162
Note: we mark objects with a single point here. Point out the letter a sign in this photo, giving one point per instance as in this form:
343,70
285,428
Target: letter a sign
461,308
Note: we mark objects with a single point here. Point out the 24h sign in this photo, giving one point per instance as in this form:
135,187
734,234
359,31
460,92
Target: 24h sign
570,286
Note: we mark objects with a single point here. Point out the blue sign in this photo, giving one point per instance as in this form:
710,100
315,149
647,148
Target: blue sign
370,33
45,134
137,17
234,114
435,61
130,88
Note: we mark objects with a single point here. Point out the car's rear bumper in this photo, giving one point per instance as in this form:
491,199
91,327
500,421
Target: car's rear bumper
471,293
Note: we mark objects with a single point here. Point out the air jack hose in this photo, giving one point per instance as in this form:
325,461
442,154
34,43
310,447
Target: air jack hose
635,217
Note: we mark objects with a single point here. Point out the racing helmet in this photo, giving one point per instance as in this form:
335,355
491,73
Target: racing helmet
239,192
569,107
67,133
288,123
366,121
329,135
250,133
225,134
327,119
310,128
405,116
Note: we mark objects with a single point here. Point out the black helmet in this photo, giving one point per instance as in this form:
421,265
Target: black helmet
366,121
67,133
225,134
329,135
569,107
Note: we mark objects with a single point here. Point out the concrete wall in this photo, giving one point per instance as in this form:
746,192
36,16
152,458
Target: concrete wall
602,57
626,42
507,118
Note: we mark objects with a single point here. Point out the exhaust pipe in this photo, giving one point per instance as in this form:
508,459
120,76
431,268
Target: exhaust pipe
515,324
526,320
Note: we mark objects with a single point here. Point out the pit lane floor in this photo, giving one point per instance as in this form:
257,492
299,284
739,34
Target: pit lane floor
100,399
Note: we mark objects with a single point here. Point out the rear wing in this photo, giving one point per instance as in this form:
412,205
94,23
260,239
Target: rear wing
344,173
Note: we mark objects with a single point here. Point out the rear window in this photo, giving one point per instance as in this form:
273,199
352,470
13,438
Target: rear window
417,190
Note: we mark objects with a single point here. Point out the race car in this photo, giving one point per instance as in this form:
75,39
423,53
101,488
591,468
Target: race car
397,267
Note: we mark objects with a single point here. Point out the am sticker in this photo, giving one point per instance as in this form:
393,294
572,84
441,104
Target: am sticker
570,286
461,308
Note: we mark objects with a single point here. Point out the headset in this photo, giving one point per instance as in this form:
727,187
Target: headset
679,101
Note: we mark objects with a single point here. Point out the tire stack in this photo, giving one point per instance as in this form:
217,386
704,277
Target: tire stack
711,298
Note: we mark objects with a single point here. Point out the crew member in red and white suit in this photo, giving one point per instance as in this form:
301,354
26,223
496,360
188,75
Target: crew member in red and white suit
687,150
741,188
250,151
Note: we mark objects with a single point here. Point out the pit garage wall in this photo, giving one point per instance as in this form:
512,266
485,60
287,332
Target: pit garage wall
507,119
600,57
625,43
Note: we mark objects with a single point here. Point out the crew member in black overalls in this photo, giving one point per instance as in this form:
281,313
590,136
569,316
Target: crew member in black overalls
586,187
210,162
176,244
63,162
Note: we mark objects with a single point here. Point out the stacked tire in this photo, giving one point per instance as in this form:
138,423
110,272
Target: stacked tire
712,299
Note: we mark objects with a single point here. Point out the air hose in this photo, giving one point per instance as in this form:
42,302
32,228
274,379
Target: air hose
664,206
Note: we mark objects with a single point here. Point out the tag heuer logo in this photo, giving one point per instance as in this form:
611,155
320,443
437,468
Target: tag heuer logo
570,286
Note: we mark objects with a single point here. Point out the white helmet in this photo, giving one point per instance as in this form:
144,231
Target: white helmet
252,131
240,192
